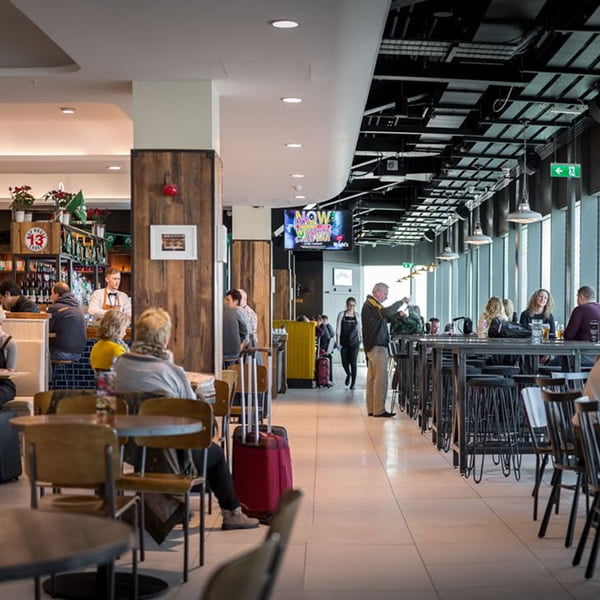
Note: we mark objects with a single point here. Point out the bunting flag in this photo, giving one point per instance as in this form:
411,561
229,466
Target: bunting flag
77,207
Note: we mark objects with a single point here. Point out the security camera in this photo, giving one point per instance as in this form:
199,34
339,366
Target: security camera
278,231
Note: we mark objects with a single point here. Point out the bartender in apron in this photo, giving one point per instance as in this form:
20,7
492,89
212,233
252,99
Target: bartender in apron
109,298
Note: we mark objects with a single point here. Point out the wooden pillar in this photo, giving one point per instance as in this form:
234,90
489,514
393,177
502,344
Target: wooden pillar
281,294
251,271
190,290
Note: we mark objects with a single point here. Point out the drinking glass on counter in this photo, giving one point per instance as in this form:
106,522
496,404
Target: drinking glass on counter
560,332
545,331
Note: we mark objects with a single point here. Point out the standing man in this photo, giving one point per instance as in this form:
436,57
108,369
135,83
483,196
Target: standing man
235,328
13,301
375,318
67,323
109,298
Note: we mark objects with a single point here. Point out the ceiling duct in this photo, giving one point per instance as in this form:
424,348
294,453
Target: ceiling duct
429,235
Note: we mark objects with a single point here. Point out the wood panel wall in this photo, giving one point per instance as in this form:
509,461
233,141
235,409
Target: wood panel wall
189,290
251,271
281,294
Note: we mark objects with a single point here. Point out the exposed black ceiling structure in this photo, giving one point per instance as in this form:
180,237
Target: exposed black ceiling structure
463,95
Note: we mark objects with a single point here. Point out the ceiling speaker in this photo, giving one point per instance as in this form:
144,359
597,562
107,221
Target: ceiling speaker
429,235
533,162
462,212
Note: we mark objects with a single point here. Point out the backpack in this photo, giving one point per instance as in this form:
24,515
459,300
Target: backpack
3,352
410,323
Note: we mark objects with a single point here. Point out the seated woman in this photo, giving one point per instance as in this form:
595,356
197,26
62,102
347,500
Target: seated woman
8,360
110,344
149,368
494,308
540,308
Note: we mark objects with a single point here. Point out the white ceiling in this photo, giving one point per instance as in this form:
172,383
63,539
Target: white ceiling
86,53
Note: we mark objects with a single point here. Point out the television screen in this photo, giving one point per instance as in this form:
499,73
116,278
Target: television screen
317,230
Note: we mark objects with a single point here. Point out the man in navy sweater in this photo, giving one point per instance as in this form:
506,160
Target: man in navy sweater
578,327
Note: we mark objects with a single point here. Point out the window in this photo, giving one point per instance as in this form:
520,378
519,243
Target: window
523,294
546,251
577,246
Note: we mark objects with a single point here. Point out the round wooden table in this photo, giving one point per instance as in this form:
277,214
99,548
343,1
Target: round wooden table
124,425
40,543
78,586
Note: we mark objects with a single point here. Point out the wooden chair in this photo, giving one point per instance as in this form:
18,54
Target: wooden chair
560,407
85,405
224,391
281,527
588,412
245,577
77,456
41,402
175,483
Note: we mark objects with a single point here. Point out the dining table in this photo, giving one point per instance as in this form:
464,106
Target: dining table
459,348
82,585
38,543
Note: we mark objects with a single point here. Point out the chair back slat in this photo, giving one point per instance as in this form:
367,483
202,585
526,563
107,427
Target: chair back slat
588,413
178,407
534,408
71,454
223,395
85,405
560,408
261,375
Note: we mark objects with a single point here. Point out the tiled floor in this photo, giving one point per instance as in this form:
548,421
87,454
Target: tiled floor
385,516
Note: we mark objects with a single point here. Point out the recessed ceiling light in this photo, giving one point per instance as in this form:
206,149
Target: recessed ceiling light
285,24
296,175
67,110
300,197
294,145
113,168
291,100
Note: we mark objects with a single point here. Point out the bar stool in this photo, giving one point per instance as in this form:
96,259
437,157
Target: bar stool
492,419
504,370
63,374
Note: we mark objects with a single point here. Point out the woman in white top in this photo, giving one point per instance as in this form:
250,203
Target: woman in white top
348,336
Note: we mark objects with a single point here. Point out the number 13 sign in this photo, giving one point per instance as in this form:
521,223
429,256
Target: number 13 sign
36,239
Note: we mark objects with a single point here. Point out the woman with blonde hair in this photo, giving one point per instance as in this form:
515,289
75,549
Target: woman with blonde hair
494,308
539,308
110,344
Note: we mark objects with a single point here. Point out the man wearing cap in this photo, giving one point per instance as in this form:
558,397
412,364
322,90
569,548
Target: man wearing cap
109,298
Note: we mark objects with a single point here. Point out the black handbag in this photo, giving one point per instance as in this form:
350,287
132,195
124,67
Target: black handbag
501,328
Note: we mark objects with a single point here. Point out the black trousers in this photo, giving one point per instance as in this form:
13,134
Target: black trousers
349,355
218,476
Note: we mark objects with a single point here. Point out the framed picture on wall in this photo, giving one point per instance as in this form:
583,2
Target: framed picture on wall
173,242
342,277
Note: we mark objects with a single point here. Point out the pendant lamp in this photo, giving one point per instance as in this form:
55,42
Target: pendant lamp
524,214
477,237
448,253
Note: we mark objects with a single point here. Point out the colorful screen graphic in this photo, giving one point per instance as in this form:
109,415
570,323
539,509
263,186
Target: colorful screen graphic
318,229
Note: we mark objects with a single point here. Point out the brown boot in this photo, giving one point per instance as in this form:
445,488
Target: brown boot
236,519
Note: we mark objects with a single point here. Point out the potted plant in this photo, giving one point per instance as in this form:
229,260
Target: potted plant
60,199
98,218
22,199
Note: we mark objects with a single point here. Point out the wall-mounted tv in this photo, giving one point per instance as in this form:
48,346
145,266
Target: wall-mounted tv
317,230
342,277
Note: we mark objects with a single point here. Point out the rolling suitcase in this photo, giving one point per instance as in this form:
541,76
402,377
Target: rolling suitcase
261,460
322,369
10,454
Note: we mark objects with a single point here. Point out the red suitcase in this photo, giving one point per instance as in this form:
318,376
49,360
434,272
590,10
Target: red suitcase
322,371
261,466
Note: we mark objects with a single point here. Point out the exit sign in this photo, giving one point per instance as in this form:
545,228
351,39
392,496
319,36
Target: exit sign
570,170
408,265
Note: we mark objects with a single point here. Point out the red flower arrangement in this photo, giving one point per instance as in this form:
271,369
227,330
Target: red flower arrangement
98,215
59,197
21,198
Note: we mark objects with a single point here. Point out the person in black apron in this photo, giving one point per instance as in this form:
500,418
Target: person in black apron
348,334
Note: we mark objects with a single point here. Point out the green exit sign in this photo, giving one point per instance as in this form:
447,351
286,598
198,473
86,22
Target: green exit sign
570,170
408,265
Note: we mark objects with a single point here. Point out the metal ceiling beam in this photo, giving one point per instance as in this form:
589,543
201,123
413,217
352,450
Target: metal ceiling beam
563,71
410,70
525,121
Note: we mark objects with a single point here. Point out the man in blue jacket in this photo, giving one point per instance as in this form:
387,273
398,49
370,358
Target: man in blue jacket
375,318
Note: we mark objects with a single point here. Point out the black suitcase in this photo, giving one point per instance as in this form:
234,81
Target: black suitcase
10,454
